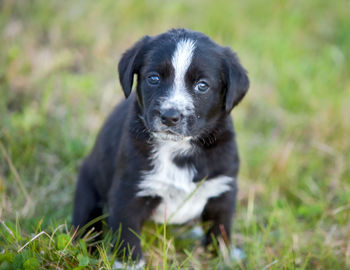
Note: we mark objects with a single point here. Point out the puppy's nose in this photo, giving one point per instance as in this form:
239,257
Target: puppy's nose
170,117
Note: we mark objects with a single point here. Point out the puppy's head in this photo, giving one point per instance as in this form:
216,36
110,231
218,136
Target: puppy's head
185,82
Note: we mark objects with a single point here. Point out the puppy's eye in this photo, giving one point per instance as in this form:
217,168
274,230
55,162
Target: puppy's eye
201,86
153,79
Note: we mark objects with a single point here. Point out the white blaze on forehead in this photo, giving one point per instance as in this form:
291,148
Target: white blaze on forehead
182,59
179,98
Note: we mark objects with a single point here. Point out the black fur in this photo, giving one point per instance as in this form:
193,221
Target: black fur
111,173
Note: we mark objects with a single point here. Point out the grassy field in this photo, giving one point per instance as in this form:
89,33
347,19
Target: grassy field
58,82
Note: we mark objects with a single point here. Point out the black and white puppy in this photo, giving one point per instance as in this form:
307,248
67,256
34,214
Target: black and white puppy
168,152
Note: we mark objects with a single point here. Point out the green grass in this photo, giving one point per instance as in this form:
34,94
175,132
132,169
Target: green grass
58,82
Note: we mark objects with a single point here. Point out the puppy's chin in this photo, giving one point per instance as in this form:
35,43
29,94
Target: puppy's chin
169,136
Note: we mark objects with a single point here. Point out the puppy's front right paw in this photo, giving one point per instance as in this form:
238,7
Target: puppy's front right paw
125,266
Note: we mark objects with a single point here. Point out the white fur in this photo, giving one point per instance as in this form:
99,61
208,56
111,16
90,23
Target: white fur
162,136
179,98
120,265
182,199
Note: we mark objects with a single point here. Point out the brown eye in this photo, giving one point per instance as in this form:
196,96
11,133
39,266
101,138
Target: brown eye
201,86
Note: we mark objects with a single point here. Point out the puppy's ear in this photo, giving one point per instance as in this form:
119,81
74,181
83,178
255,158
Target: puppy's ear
130,64
237,81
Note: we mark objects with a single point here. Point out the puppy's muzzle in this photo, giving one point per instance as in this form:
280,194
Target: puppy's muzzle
169,124
170,117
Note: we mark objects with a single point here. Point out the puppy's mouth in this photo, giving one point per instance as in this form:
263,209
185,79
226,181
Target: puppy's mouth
161,133
169,135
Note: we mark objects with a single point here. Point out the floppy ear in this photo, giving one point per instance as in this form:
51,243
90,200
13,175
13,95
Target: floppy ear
237,81
130,64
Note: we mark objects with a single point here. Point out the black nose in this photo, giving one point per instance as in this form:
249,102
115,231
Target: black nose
170,117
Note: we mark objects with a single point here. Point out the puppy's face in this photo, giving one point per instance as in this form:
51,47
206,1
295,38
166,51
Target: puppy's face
186,82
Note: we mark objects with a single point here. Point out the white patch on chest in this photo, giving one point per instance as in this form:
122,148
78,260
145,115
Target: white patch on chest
179,98
182,199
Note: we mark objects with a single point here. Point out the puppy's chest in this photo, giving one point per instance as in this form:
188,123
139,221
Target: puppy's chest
182,198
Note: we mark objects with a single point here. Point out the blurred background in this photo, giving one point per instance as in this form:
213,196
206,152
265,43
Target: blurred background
58,82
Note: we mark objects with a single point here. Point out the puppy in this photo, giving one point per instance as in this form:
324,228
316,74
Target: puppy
168,152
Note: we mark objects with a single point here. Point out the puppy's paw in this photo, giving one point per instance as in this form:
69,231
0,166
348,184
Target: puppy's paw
236,254
127,266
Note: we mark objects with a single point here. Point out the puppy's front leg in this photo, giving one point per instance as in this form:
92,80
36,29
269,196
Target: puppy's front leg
219,212
127,213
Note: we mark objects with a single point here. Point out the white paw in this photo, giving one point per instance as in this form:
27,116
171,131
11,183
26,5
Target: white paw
236,254
125,266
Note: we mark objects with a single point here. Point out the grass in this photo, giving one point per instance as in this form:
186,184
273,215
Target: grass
58,82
